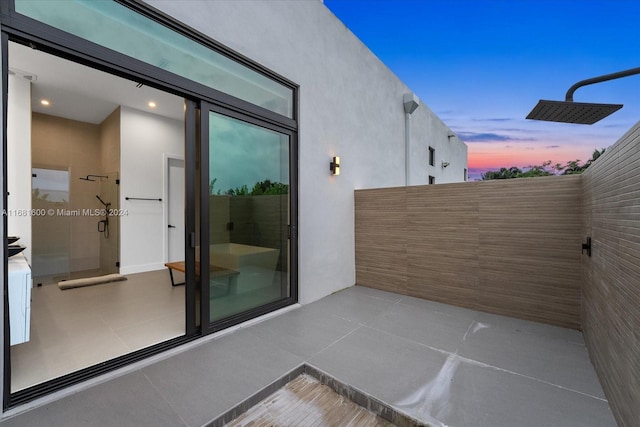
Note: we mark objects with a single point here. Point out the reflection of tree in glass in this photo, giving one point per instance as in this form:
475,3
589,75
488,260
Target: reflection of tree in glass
261,188
211,185
267,187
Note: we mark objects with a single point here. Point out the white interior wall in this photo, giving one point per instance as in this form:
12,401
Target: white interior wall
19,161
351,105
146,140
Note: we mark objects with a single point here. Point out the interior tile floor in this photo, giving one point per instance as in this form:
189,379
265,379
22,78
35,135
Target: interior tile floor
444,365
75,328
55,278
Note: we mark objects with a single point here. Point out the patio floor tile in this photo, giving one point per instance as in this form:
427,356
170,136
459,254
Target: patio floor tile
351,305
303,332
466,394
439,307
423,325
445,365
130,400
206,381
553,360
380,364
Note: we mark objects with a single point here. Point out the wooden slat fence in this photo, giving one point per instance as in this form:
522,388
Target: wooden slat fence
510,247
611,277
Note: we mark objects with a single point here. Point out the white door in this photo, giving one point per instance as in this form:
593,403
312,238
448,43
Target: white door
175,210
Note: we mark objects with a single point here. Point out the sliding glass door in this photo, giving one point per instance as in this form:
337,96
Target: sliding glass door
246,211
196,190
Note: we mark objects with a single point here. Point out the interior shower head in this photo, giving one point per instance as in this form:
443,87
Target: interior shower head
571,112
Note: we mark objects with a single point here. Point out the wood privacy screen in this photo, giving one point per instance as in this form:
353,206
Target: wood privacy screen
509,247
611,282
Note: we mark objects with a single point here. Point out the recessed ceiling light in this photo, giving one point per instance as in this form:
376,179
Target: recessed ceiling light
45,102
151,104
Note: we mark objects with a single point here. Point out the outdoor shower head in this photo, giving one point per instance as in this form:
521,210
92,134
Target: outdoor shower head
584,113
571,112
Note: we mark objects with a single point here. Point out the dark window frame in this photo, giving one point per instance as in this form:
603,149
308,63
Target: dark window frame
432,179
31,32
22,29
432,156
211,327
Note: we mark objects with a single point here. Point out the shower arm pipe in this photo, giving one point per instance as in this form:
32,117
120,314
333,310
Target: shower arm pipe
95,176
599,79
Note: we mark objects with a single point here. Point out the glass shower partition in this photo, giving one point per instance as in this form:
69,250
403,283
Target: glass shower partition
67,225
51,224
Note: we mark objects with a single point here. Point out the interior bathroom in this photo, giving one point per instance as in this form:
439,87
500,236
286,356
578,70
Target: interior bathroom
75,181
95,181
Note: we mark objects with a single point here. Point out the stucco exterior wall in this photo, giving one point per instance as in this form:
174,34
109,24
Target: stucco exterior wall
351,105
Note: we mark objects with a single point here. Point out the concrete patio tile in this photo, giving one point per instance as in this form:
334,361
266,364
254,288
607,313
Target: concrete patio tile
125,401
553,360
439,307
380,364
351,304
206,381
423,325
467,394
303,332
445,365
372,292
526,326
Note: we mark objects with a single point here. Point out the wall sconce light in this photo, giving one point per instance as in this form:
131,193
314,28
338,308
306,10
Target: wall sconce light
445,164
334,166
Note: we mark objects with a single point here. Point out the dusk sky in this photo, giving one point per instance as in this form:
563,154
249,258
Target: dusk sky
482,65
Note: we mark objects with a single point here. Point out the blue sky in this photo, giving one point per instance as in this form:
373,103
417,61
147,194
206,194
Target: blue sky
482,65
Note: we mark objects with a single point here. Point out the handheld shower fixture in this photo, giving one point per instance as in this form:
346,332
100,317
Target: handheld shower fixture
106,205
103,225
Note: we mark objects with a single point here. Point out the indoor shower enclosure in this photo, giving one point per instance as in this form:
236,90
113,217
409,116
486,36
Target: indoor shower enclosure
75,233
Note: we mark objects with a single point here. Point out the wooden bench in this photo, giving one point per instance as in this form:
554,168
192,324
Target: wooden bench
214,272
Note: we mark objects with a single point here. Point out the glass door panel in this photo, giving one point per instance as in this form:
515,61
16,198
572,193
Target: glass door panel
248,201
